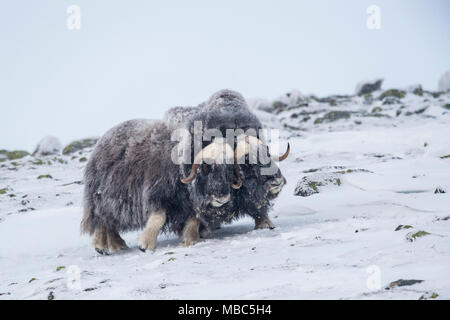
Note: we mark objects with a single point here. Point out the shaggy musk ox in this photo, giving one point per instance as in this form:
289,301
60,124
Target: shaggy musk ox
227,109
132,183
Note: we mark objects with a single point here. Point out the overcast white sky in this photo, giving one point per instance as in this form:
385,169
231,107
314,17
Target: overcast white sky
134,59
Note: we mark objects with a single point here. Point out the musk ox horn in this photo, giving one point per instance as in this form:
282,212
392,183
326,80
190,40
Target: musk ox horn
244,144
214,151
284,156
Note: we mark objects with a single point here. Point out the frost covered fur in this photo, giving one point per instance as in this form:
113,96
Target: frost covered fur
132,183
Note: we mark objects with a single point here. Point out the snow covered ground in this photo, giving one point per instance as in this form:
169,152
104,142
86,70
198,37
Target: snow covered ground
381,223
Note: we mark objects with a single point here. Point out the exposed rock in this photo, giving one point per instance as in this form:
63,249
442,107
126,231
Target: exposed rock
428,295
12,155
45,176
309,185
416,89
412,236
48,146
402,283
377,109
366,87
401,226
439,190
79,145
399,94
333,116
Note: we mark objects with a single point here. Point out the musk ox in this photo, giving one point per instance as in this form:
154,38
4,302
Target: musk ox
132,183
224,110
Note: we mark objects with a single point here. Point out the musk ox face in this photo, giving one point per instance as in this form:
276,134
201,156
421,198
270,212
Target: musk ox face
259,189
213,184
210,178
211,193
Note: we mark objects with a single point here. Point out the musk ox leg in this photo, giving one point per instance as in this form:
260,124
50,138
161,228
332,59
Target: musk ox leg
263,222
106,242
147,239
191,232
115,242
100,241
204,230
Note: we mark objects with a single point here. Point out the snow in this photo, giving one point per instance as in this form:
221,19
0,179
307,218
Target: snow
47,146
444,82
330,245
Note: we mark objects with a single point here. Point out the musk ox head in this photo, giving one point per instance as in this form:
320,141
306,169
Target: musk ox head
261,182
210,179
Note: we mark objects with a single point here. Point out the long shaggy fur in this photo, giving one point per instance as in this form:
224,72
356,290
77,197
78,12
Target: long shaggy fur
227,109
129,175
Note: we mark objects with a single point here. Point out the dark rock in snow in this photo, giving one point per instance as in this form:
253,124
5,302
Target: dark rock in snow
309,185
402,283
333,116
12,155
439,190
399,94
368,87
79,145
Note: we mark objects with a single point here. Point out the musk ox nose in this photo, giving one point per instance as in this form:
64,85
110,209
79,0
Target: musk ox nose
276,185
220,201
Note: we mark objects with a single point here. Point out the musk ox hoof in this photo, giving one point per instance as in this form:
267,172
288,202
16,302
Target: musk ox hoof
102,251
145,244
205,233
106,242
264,223
190,242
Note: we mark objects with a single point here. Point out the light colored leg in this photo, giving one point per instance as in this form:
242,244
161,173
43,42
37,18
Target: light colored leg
147,239
100,241
190,232
115,242
263,222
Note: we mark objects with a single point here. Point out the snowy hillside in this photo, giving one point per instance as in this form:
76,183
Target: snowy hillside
367,204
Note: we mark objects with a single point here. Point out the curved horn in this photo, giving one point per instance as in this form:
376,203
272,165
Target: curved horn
243,145
191,174
211,151
243,149
284,156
